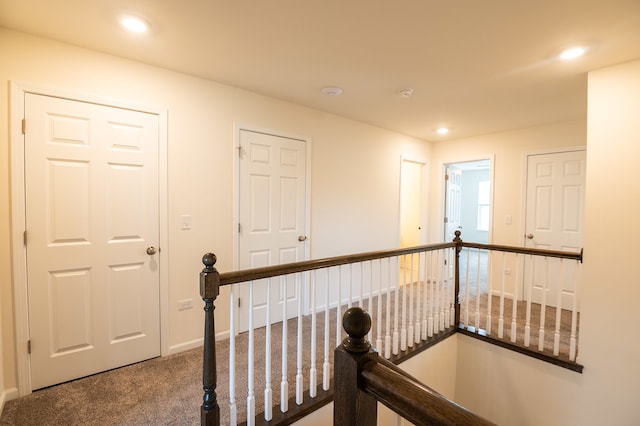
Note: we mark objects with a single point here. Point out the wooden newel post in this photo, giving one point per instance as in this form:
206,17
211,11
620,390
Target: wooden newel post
353,407
209,290
456,277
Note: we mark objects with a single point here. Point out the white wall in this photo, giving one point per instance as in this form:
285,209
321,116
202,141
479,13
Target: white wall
514,390
354,168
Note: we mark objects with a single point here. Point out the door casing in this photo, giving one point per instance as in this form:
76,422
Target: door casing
19,262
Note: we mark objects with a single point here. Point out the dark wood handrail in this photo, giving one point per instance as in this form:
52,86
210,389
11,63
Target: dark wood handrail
234,277
523,250
417,402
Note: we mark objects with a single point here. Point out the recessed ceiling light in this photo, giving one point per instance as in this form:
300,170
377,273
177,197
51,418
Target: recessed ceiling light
442,131
572,53
332,91
134,24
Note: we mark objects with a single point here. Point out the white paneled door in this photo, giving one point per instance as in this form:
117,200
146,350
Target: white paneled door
272,228
91,177
554,221
453,202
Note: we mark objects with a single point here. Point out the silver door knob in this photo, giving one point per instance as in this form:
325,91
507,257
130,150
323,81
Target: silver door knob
151,250
530,236
302,238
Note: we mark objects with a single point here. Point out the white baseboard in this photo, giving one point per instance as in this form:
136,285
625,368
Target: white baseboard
8,395
196,343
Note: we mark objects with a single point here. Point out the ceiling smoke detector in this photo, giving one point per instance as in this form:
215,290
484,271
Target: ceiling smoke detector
406,93
332,91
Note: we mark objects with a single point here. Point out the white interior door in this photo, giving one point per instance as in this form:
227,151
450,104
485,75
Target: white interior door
91,177
411,203
554,220
453,202
272,214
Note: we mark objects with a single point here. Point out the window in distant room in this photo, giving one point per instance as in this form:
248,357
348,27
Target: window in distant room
484,189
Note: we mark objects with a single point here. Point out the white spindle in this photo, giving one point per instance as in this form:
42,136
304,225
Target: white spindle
396,303
560,285
379,314
436,298
284,382
326,366
489,292
478,294
543,305
432,282
233,409
425,290
361,285
299,381
403,330
370,303
387,337
268,391
529,289
339,310
350,290
251,402
445,274
450,310
503,273
466,288
574,314
313,373
418,323
514,313
410,331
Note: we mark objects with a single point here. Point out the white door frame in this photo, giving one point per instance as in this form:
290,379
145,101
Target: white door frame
443,194
237,128
18,90
424,198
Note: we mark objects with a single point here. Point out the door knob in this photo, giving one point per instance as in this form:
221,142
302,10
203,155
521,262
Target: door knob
151,250
530,236
302,238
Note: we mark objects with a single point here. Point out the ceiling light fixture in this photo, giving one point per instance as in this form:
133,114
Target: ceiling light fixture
332,91
406,93
442,131
136,25
572,53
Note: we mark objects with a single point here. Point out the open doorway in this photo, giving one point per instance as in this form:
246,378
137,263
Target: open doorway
467,189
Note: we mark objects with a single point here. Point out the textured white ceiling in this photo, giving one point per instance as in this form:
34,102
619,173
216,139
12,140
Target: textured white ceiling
476,66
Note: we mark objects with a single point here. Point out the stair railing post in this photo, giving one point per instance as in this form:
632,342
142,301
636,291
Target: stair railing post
353,407
209,290
456,269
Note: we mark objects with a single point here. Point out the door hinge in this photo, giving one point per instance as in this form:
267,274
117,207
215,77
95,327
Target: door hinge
238,302
29,346
24,126
239,151
446,220
24,238
239,228
446,177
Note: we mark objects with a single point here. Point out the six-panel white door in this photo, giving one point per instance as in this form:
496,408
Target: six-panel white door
453,202
554,220
272,214
91,177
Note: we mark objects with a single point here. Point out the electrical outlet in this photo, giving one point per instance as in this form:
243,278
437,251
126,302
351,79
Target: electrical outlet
185,304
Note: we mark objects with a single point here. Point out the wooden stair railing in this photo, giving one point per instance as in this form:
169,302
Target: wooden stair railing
362,379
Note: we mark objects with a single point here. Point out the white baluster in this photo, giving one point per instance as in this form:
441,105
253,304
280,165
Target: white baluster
379,315
489,293
233,409
574,315
387,337
284,382
370,303
543,305
425,290
410,331
466,288
478,294
361,285
527,320
432,282
339,310
514,313
268,391
326,366
501,314
251,402
313,373
299,382
418,324
403,330
396,303
560,285
445,274
350,289
450,290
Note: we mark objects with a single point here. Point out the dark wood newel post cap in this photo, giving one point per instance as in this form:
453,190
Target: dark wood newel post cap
357,323
209,277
